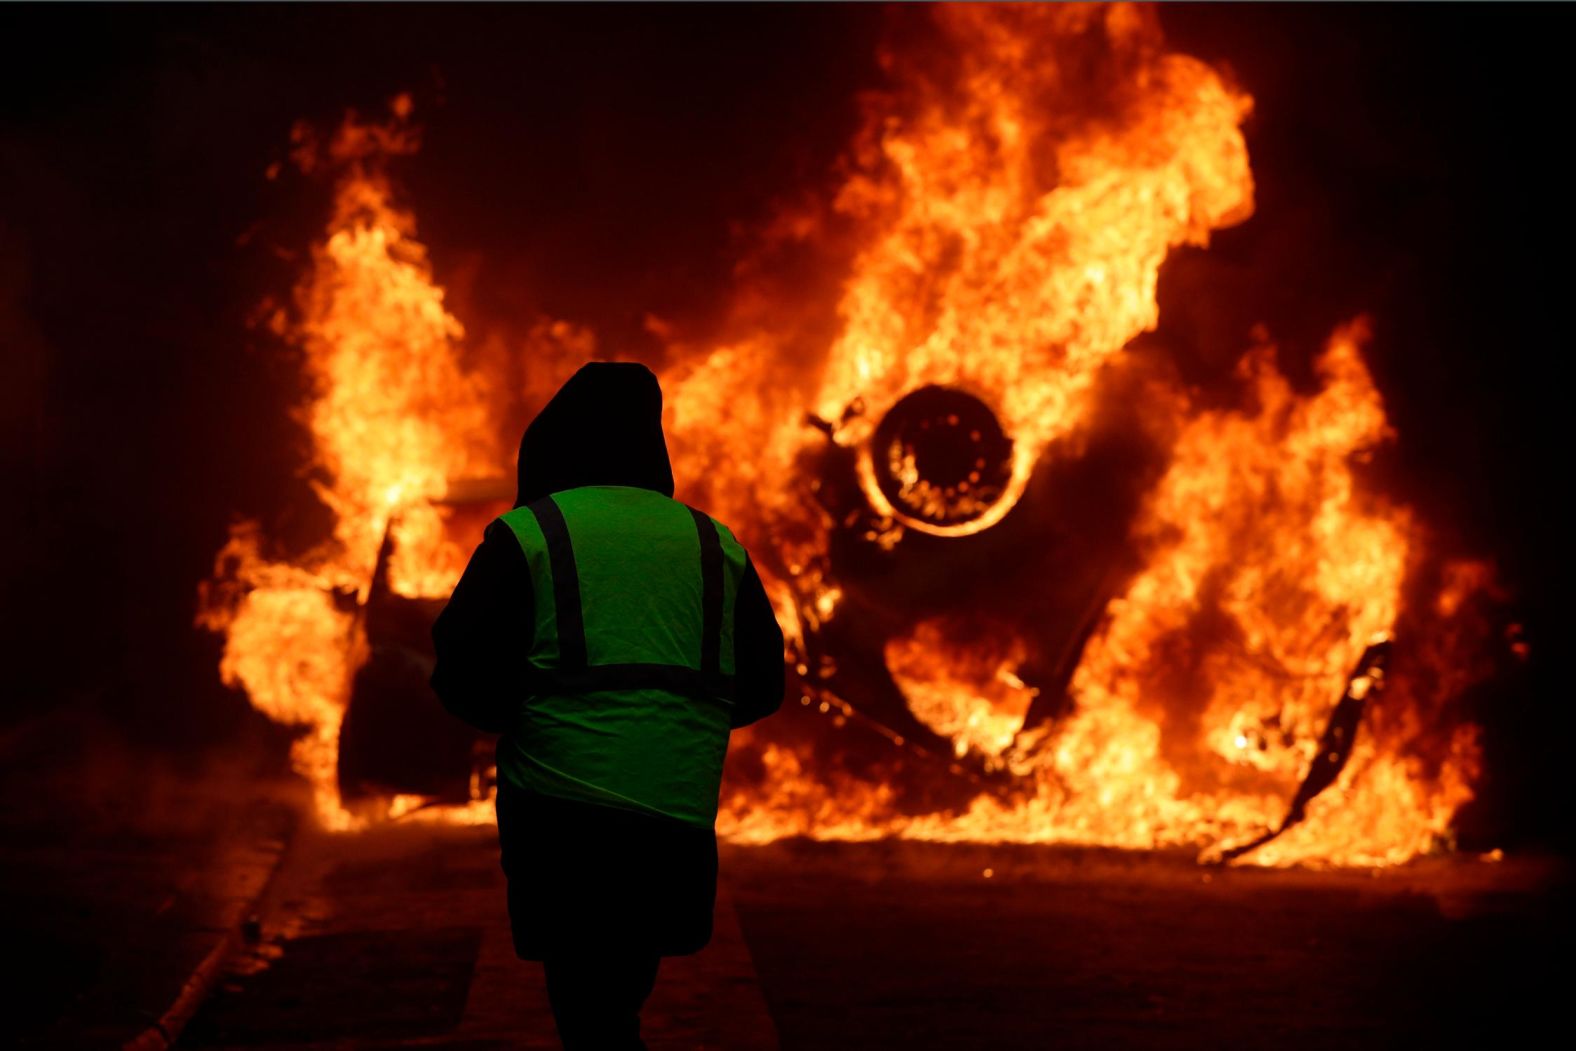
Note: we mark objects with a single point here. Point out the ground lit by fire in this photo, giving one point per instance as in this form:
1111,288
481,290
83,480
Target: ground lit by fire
1013,202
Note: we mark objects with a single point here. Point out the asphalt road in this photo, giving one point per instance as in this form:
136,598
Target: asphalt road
896,945
398,938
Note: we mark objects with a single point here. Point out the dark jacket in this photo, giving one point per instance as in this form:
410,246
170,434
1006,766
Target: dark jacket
578,872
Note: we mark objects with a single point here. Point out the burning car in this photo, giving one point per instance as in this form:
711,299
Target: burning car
1037,587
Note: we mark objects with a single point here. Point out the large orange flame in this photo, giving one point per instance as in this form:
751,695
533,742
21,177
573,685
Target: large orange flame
392,417
1013,200
1013,231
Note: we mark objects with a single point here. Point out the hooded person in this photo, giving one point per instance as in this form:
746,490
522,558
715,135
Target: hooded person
613,637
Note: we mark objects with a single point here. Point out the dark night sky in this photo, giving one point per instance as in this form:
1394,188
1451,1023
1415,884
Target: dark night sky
606,162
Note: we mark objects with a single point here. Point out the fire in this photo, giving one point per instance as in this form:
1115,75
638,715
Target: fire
1009,259
393,417
1012,251
969,693
1011,203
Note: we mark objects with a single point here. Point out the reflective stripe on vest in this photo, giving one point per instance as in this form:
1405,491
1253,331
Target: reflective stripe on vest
571,673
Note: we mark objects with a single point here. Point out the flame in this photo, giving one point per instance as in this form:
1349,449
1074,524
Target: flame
969,693
1013,232
392,416
291,646
1011,202
983,274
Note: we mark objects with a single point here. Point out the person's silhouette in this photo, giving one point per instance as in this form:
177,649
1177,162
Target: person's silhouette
614,637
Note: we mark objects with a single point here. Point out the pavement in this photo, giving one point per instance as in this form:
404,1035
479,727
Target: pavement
158,905
124,882
894,945
399,937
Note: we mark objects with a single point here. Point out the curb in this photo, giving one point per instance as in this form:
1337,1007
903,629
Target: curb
167,1028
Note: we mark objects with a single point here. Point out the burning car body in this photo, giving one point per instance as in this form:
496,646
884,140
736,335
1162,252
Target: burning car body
1038,585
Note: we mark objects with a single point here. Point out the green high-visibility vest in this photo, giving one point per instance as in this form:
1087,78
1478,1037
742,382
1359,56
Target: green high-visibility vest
632,660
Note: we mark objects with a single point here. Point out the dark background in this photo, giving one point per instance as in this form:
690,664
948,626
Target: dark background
599,163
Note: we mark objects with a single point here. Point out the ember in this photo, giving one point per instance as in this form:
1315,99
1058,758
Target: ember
1012,201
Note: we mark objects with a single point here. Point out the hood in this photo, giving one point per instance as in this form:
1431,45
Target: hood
603,427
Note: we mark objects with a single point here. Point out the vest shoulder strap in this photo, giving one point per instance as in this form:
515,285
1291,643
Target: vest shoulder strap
573,675
566,583
711,592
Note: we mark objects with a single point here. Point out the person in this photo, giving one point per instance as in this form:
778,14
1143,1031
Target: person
614,637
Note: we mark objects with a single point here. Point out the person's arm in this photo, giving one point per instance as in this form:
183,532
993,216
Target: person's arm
758,678
484,633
